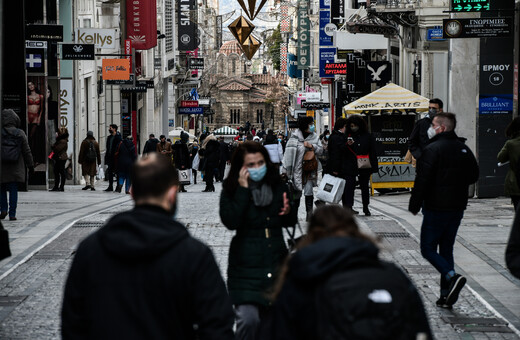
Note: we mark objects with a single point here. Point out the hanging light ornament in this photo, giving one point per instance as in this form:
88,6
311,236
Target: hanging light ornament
242,28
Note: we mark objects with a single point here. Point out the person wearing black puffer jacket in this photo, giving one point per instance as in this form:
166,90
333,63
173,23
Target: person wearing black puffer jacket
361,143
444,172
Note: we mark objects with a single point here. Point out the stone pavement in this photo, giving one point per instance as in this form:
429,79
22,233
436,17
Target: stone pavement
50,226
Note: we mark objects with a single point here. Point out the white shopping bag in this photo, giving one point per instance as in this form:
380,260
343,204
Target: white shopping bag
226,170
185,177
330,189
100,174
195,163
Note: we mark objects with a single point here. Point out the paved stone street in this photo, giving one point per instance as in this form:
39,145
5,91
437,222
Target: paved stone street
50,226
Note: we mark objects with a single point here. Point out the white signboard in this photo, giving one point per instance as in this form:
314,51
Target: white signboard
101,37
313,96
67,111
359,41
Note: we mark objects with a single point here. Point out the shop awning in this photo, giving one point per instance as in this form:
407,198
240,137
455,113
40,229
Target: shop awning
226,130
388,99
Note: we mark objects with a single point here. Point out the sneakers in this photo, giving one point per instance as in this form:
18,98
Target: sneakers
442,303
12,218
456,283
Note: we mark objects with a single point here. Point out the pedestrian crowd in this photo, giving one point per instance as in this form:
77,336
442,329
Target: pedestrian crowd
144,276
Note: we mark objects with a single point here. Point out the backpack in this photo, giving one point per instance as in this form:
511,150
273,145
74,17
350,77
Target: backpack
91,155
11,147
310,163
370,300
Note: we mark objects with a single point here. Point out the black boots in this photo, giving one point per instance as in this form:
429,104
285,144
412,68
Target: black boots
308,207
366,211
209,189
110,188
118,188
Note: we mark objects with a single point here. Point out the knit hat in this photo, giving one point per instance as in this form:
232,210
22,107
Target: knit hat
90,134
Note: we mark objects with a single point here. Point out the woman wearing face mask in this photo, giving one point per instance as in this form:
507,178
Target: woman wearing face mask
254,202
360,142
324,139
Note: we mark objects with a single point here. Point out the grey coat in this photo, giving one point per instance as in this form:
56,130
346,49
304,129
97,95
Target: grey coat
15,172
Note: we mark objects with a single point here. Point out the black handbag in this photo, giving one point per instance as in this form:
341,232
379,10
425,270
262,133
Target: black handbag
5,251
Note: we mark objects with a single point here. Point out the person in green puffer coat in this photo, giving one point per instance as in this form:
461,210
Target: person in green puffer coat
511,153
254,202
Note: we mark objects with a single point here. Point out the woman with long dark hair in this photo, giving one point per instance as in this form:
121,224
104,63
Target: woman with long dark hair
511,153
254,203
60,158
360,143
336,287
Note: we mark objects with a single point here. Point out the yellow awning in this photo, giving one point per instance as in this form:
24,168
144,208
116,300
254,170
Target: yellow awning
388,99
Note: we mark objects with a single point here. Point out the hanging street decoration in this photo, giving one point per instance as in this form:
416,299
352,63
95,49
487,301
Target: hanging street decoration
242,28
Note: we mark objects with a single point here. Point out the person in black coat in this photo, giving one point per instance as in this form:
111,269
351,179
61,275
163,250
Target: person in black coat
419,136
361,143
210,152
224,158
513,248
366,296
125,158
113,140
150,145
142,276
181,155
444,172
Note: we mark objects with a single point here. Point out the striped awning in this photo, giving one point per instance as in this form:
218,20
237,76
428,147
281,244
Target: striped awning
388,99
226,130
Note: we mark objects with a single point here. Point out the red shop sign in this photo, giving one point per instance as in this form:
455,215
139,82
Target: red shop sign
189,103
141,25
335,68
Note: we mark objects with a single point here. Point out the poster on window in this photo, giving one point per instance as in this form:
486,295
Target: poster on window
37,104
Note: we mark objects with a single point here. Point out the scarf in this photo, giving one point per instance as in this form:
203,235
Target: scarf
262,193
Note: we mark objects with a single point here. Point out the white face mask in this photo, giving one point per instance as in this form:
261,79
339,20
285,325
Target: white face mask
432,132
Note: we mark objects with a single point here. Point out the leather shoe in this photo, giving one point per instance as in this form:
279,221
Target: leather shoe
86,187
3,214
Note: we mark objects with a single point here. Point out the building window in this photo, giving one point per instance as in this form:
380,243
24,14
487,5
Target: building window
259,116
235,116
210,119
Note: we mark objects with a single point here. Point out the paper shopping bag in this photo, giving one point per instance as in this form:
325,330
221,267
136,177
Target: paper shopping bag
330,189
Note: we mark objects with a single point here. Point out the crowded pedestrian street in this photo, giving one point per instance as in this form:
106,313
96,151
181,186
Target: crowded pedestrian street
50,225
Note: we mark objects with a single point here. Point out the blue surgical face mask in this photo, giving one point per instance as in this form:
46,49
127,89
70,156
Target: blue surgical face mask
279,140
312,128
257,174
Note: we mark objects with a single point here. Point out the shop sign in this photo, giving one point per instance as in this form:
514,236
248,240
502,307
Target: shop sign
116,69
189,103
44,32
314,105
134,89
477,28
325,27
186,25
141,23
335,69
435,34
304,36
204,101
470,5
496,104
191,110
130,81
104,38
196,63
77,52
327,55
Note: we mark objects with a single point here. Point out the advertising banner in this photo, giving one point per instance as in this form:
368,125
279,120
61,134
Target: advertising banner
187,26
141,25
337,12
52,34
285,22
116,69
304,37
77,52
478,28
191,110
128,52
196,63
283,58
324,4
326,56
104,38
292,65
189,103
66,107
325,39
391,134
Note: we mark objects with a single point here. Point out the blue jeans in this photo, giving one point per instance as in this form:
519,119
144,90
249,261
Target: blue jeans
122,178
438,230
13,198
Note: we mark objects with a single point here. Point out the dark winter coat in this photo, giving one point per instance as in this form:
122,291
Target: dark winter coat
258,248
511,153
513,248
341,159
444,172
166,147
295,312
142,276
181,156
60,147
364,144
126,156
419,137
224,152
111,147
88,167
15,171
150,145
211,154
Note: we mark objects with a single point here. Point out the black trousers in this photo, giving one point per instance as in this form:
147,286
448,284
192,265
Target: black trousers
221,170
110,175
60,174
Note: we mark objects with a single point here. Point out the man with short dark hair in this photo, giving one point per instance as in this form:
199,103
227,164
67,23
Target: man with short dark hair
444,172
419,137
150,145
113,140
142,276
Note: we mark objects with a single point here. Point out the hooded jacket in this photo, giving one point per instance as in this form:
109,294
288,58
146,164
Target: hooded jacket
15,172
295,311
142,276
444,172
